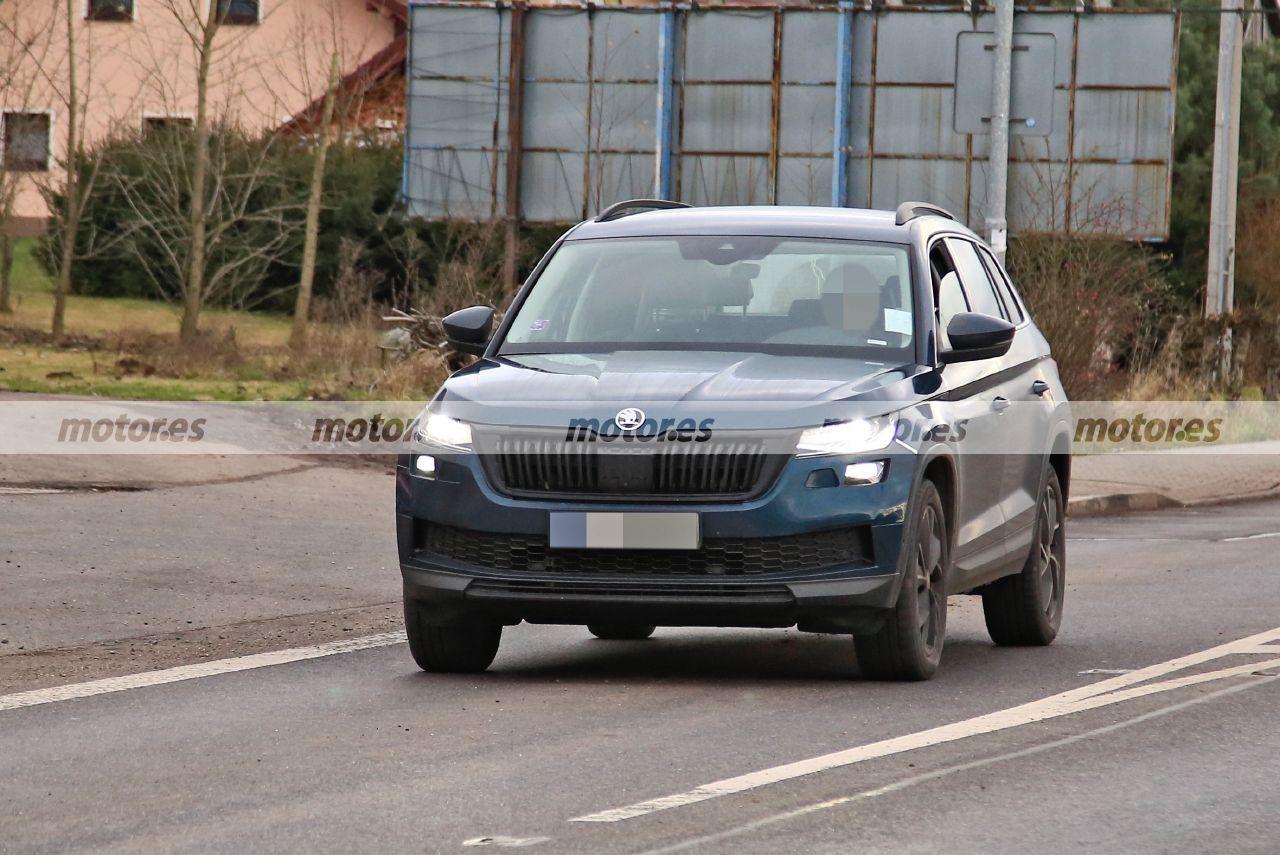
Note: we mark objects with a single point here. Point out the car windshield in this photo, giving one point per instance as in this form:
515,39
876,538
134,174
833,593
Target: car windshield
742,293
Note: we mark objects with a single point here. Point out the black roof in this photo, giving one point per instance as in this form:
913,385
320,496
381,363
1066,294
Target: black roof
848,223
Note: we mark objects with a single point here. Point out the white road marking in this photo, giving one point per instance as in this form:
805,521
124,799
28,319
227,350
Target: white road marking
196,671
1261,536
511,842
1115,690
925,777
1105,671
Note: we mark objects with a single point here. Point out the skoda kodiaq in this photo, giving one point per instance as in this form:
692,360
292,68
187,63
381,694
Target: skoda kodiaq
824,418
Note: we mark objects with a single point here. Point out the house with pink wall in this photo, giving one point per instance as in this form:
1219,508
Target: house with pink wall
136,70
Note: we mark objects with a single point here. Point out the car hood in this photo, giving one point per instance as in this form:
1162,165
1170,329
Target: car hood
569,383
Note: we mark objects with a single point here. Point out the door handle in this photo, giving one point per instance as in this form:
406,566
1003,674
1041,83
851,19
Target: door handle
1000,404
1040,387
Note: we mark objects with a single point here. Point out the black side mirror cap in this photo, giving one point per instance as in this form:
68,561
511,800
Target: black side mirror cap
974,336
468,330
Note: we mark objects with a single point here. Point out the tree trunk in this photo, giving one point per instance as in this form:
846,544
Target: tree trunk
71,208
193,292
6,273
302,308
1272,392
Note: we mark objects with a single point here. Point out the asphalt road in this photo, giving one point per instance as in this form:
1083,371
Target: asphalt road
358,751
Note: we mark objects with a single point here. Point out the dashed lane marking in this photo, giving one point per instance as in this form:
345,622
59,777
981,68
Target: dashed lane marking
897,786
109,685
1122,687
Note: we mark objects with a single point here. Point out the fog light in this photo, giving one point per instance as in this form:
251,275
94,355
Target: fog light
425,466
864,473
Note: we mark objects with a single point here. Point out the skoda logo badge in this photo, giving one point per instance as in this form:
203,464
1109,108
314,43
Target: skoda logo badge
629,419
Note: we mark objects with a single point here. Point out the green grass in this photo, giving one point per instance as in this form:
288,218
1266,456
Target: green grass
26,367
28,275
102,317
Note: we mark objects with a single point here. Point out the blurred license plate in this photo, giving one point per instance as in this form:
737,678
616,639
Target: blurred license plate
592,530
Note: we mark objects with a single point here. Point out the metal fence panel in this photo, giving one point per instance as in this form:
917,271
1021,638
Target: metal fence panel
808,44
726,117
714,180
751,118
729,45
625,46
457,106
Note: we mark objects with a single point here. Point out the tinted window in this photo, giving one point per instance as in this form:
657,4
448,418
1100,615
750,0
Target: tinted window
974,277
950,299
239,12
109,10
1002,285
26,142
719,292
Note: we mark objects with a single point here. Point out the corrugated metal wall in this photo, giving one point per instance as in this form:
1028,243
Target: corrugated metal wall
755,104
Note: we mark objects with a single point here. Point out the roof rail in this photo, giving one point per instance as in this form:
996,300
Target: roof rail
621,209
908,211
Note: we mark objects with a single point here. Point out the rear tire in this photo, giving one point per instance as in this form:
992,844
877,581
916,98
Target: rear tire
909,643
1025,610
620,631
457,649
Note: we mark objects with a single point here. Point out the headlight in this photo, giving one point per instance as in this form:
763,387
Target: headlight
441,430
851,437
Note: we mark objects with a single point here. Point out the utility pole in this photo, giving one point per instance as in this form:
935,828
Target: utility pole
998,159
1219,292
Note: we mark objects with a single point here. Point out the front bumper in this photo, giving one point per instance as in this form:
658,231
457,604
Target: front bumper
841,597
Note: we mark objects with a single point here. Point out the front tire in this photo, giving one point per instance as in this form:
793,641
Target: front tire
909,643
1025,610
457,649
620,631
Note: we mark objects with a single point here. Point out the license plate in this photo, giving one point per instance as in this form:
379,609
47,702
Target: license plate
594,530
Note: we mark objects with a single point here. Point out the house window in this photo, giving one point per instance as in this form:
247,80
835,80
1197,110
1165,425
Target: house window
108,10
156,125
240,12
26,141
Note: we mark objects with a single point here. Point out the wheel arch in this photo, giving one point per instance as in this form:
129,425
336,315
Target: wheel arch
940,469
1060,460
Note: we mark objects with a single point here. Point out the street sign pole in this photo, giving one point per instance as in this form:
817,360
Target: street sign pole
998,163
1219,292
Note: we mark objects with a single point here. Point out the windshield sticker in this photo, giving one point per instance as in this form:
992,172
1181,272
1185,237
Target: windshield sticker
897,321
539,325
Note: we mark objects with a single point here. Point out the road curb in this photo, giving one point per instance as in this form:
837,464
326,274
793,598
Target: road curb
1123,503
1119,503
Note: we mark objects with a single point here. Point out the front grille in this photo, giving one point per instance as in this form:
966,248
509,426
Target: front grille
718,557
649,591
540,465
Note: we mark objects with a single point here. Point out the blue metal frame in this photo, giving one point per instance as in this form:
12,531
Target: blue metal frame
844,93
407,152
664,179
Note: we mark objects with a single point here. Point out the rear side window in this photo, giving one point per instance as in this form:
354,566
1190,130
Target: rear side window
975,279
1003,285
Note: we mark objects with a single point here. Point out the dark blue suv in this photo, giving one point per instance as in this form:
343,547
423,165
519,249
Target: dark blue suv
757,417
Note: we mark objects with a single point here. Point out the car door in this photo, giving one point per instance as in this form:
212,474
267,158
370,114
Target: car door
1031,393
967,403
1019,428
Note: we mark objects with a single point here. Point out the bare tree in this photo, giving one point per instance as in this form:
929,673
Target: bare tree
302,307
249,219
25,42
70,220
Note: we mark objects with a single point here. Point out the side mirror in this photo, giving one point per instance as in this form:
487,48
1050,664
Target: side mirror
974,336
468,330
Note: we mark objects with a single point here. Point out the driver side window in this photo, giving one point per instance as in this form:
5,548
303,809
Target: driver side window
973,275
948,295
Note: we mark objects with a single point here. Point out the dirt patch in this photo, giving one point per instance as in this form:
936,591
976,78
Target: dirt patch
40,338
40,669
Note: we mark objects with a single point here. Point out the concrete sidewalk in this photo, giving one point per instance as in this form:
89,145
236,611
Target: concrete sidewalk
1121,482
